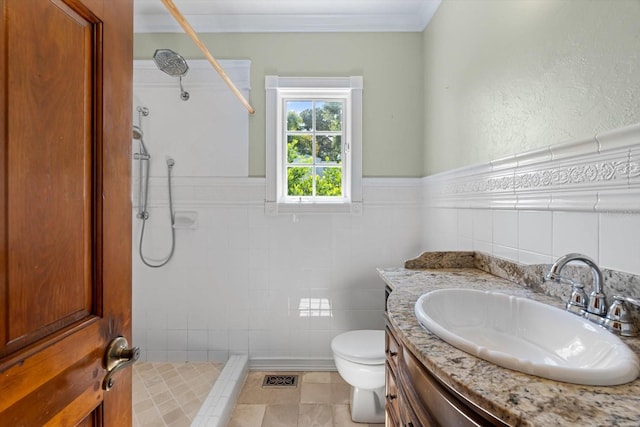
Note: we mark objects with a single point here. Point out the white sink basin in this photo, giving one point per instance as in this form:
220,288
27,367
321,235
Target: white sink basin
527,336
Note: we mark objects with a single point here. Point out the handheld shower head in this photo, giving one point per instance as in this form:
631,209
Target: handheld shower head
137,136
173,64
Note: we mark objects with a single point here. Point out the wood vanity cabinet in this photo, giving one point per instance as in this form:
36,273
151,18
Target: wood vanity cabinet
392,415
415,398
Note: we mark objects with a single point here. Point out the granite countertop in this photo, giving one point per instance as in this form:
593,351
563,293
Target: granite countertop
517,398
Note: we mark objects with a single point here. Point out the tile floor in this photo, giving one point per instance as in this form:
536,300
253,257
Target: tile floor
170,394
321,399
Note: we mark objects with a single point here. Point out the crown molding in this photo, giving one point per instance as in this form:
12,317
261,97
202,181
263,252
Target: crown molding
280,24
257,17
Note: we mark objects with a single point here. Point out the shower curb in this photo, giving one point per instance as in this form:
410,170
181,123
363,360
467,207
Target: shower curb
216,409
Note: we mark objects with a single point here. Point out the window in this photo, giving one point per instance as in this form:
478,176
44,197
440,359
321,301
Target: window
314,144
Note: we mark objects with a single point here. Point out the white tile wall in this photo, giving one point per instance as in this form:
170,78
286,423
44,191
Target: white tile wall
505,234
575,232
483,226
535,236
219,297
236,282
612,239
620,241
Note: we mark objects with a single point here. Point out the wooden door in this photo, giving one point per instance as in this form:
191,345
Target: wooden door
65,214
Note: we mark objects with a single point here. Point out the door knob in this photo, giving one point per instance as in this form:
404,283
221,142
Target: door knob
117,357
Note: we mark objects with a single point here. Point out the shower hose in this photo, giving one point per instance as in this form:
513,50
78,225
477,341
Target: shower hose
145,216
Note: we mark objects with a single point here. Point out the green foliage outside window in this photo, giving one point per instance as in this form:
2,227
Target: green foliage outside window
330,183
299,181
328,150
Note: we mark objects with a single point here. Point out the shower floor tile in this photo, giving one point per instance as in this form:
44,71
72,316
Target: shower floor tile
170,394
320,399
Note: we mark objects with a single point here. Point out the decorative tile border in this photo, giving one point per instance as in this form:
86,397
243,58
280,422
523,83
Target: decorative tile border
594,174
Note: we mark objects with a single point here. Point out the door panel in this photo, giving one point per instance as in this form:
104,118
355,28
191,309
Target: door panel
50,194
57,385
65,227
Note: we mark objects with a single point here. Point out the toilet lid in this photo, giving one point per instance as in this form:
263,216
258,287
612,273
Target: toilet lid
366,347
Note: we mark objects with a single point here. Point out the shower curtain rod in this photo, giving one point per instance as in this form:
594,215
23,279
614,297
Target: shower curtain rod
175,12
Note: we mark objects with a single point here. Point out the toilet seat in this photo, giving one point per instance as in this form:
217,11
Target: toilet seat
365,346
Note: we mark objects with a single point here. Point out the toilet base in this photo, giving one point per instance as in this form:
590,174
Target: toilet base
367,406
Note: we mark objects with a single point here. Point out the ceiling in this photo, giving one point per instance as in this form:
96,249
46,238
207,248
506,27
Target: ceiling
287,15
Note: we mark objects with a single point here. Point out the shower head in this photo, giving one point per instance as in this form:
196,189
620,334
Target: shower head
170,62
137,133
173,64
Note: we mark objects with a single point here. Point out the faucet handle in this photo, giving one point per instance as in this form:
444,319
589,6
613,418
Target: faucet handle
619,319
627,299
577,303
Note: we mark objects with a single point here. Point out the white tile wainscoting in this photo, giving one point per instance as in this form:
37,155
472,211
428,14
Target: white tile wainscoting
277,288
581,196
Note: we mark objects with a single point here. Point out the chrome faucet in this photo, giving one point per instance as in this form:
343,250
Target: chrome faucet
617,319
593,308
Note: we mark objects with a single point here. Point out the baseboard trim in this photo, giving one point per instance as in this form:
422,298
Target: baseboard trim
291,364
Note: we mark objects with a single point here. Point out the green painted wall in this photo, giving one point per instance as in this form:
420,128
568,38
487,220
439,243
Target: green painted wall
504,77
485,80
391,64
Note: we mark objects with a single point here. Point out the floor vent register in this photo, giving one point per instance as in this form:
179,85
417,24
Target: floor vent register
280,381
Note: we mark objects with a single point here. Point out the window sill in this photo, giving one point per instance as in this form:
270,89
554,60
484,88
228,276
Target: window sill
275,208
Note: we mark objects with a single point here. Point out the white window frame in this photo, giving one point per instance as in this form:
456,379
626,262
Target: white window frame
279,89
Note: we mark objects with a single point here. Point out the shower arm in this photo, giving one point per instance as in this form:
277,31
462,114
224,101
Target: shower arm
175,12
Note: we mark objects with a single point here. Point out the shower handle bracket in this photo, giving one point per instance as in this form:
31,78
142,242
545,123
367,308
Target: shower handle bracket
118,356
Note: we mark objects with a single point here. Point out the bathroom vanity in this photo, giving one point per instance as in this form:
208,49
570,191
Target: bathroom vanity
430,382
415,397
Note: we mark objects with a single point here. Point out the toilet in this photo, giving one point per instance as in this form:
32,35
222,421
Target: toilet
360,360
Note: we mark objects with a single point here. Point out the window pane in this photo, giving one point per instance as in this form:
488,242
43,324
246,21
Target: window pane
329,181
299,115
329,148
299,181
329,116
299,149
